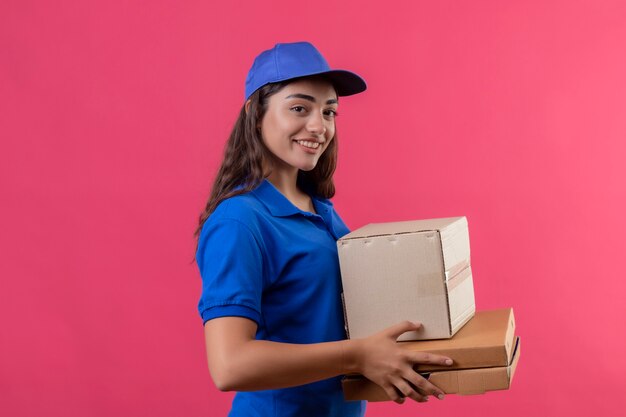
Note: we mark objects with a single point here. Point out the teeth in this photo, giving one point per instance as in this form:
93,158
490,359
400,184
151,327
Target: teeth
312,145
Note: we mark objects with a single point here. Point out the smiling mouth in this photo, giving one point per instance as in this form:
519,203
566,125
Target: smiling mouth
309,144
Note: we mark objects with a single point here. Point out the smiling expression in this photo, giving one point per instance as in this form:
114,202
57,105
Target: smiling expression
299,124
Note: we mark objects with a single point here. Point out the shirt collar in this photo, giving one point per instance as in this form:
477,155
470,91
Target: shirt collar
279,206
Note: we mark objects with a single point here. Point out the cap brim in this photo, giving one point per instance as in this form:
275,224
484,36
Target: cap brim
346,83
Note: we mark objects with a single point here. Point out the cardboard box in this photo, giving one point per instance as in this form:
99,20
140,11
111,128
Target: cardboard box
416,270
485,353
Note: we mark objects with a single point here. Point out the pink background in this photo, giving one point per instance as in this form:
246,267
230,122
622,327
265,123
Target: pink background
113,117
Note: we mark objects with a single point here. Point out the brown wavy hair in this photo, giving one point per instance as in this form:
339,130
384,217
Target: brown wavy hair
242,167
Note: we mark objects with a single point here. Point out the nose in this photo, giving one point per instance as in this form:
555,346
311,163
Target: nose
315,124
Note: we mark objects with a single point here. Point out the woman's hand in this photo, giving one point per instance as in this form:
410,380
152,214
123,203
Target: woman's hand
381,360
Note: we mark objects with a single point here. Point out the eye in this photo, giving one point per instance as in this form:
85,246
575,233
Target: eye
331,113
298,109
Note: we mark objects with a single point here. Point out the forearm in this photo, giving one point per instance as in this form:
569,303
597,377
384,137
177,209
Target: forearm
259,364
239,362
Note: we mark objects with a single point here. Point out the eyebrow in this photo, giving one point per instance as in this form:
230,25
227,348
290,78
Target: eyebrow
310,98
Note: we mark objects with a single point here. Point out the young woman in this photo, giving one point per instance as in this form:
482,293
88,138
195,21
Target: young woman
271,295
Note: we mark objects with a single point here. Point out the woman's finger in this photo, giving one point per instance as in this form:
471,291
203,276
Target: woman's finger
393,393
408,391
423,386
398,329
429,358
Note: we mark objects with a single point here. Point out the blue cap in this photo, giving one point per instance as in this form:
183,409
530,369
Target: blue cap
286,61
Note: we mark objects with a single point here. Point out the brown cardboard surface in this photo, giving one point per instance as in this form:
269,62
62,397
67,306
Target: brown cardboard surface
417,270
485,341
460,381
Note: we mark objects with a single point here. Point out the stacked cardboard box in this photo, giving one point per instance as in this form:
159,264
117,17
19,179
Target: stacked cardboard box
420,271
485,354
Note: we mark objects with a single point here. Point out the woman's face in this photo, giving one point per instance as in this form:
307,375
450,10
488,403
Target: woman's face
299,124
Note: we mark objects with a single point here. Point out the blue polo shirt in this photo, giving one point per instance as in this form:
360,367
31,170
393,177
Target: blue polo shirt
262,258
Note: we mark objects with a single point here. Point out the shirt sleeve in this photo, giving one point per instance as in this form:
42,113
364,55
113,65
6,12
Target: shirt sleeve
231,266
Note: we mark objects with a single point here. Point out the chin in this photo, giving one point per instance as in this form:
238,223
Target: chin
305,164
307,167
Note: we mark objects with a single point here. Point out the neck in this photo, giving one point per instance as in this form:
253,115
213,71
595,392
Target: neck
285,182
285,179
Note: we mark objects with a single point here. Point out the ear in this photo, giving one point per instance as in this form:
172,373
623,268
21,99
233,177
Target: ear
247,108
